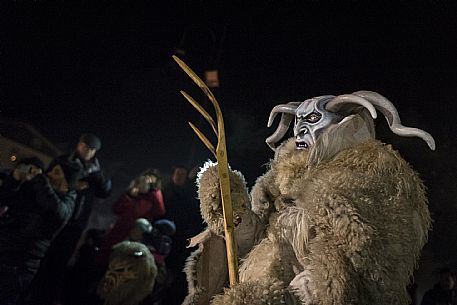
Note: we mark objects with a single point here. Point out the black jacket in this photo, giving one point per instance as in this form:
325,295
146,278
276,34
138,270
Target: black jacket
36,213
99,187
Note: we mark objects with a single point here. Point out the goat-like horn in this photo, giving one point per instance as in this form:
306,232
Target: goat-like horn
283,126
289,108
288,114
349,100
390,112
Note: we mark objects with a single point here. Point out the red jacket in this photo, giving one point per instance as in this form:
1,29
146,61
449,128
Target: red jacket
149,206
128,209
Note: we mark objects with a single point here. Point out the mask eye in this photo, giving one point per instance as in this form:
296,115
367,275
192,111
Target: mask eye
313,117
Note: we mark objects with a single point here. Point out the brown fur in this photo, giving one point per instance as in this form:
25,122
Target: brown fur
210,200
262,291
342,223
370,217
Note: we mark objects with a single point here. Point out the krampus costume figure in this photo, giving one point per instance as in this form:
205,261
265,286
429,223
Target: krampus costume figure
339,217
130,276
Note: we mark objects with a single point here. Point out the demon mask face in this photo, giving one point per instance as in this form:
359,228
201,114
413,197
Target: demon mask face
314,116
311,119
130,276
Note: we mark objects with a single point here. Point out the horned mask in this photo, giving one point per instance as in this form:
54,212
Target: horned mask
314,116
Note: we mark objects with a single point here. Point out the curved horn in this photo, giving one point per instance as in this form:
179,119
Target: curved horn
390,112
289,108
288,114
338,102
283,126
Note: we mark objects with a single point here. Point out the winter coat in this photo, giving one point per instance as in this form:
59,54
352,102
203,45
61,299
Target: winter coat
99,187
35,216
128,209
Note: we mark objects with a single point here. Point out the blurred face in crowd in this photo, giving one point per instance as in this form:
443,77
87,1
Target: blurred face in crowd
143,185
57,179
151,179
179,176
140,185
85,152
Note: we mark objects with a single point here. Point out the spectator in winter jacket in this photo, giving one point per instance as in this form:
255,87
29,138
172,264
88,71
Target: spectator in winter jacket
142,200
93,184
39,205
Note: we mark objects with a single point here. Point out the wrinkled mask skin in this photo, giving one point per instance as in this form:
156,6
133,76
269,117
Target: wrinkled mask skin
311,120
119,272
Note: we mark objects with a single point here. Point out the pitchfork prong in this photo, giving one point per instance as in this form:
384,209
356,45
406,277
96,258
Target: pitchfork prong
202,137
201,110
206,90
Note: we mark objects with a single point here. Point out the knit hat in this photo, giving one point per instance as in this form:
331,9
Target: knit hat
72,170
91,140
165,226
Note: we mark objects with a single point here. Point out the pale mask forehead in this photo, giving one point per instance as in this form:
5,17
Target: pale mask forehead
313,104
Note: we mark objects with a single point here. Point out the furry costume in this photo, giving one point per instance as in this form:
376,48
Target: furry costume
130,276
340,223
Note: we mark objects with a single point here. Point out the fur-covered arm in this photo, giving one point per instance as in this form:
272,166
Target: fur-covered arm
263,195
206,268
248,228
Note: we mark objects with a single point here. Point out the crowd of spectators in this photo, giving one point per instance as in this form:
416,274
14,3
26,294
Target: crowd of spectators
137,260
44,215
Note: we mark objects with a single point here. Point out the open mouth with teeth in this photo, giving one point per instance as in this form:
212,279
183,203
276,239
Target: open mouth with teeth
301,145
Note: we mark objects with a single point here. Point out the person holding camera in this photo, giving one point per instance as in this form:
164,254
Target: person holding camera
143,199
93,183
39,205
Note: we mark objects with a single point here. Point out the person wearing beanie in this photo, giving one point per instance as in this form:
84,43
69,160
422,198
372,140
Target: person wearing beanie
39,206
91,140
93,184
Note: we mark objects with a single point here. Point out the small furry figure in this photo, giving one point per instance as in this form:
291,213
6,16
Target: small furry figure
339,217
130,276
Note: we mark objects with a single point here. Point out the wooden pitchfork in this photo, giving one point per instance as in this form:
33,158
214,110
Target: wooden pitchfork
222,165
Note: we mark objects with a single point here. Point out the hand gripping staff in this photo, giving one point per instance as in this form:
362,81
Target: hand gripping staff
222,165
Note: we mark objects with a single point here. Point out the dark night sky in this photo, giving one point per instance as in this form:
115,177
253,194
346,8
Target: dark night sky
105,67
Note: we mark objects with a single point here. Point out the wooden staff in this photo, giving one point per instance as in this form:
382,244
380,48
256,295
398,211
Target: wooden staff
222,166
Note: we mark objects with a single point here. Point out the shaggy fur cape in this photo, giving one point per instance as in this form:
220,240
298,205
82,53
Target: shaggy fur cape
343,223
